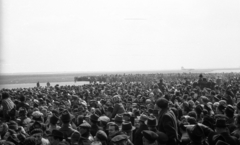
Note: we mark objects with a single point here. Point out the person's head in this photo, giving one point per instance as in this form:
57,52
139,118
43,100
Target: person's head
112,128
221,108
136,123
143,118
13,125
126,117
84,128
120,140
109,111
127,129
103,120
3,128
56,137
101,136
221,125
199,110
116,99
75,138
44,111
37,116
229,111
30,141
152,123
149,137
195,133
192,114
94,119
118,119
161,103
66,117
22,98
37,134
53,119
22,112
5,95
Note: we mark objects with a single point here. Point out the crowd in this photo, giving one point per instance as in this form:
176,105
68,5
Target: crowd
155,109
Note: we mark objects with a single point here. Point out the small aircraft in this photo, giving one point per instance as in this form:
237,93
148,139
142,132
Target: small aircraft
187,69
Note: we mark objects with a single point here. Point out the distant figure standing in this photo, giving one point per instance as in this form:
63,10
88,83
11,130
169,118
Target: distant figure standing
219,81
48,84
38,85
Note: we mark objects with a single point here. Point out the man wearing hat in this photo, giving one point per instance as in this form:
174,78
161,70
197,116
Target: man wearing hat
94,124
167,122
103,121
55,137
138,132
152,126
23,119
229,112
66,128
127,129
196,134
102,137
75,138
126,117
53,123
86,137
221,129
149,137
7,104
38,135
118,120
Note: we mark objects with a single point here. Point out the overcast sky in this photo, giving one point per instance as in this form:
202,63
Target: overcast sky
118,35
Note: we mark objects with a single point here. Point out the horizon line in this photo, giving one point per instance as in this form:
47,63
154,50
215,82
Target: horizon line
116,71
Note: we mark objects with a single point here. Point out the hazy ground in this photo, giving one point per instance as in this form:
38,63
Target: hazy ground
30,85
30,80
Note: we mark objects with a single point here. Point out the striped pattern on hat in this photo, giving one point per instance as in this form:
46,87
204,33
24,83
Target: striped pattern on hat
7,104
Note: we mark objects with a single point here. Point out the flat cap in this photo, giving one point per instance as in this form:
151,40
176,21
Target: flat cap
119,138
150,135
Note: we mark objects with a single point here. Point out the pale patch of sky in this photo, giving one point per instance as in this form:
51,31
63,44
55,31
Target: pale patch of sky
109,35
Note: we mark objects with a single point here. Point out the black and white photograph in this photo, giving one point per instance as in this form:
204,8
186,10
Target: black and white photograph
119,72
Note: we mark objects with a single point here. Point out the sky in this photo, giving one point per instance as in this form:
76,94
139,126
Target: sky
118,35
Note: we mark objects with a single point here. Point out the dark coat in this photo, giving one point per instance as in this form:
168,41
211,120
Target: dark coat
167,123
138,134
67,131
94,129
227,137
118,109
85,139
160,140
109,139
